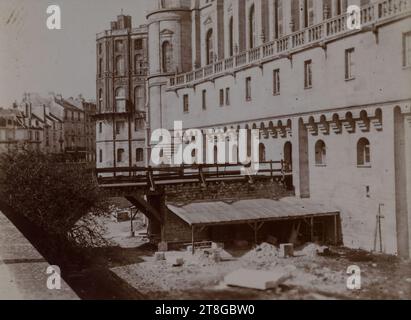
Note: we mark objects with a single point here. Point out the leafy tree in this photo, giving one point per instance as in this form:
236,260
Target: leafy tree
63,199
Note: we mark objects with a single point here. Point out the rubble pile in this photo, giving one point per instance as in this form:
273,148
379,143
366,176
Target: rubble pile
265,252
311,250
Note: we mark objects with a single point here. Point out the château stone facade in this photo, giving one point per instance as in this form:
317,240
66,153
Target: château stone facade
332,101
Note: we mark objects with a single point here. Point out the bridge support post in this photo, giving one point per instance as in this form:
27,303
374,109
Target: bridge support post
192,240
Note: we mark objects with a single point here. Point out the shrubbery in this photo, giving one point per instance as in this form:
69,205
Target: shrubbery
63,199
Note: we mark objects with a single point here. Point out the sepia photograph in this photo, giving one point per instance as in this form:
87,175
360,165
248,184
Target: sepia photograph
205,150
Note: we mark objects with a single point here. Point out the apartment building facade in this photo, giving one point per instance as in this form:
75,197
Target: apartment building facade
55,125
15,134
122,60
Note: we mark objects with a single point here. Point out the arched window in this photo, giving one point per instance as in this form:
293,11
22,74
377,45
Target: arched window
120,100
215,155
320,153
120,155
363,152
327,9
120,65
100,100
231,36
139,155
288,156
100,67
139,98
251,27
261,153
209,47
234,154
167,56
278,18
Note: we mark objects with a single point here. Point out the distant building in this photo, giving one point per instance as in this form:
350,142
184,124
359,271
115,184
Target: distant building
45,115
14,133
122,63
79,128
52,125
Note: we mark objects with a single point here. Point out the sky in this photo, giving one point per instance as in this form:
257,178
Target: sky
36,59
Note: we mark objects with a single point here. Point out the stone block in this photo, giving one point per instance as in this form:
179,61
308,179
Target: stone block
217,245
175,261
259,280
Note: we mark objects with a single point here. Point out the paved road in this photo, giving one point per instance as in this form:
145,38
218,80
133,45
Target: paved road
23,270
8,288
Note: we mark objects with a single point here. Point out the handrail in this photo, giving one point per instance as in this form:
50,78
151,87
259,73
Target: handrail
176,168
317,33
150,175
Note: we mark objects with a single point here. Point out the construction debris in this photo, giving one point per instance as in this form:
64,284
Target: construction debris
159,256
286,250
262,252
259,280
272,240
311,250
241,244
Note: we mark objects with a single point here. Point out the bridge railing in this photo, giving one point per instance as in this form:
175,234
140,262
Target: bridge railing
186,173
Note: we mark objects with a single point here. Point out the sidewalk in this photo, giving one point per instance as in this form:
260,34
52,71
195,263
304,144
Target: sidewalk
23,269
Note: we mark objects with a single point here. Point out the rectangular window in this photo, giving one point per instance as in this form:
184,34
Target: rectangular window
349,64
278,18
203,100
138,44
221,97
248,88
276,82
100,127
227,96
100,48
119,45
120,155
100,156
406,49
138,124
139,155
119,127
308,75
185,103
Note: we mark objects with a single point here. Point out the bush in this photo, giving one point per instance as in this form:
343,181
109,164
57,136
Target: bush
63,199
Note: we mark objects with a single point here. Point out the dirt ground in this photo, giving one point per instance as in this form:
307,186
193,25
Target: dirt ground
313,276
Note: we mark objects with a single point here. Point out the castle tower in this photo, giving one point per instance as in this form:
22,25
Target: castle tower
169,33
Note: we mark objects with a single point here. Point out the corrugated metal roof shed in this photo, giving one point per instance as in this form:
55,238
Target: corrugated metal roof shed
244,211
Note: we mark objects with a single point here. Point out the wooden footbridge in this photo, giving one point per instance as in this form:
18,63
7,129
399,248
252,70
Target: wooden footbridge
150,178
